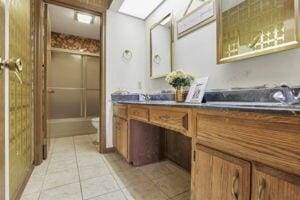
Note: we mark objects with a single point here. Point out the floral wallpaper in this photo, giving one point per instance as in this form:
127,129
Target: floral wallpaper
72,42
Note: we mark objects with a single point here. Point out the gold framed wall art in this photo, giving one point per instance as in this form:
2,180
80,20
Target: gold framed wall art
250,28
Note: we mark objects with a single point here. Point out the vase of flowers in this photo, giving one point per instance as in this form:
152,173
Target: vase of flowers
180,81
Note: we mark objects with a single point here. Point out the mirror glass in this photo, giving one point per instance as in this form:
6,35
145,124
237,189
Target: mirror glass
161,47
248,28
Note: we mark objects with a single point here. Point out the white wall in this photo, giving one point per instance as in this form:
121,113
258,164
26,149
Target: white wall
196,53
123,32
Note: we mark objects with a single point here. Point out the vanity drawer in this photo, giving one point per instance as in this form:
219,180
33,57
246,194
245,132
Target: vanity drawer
120,111
272,140
173,118
139,112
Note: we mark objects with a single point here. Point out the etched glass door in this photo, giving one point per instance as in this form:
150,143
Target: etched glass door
20,95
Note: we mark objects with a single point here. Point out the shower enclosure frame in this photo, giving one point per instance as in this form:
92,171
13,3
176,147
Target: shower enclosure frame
99,10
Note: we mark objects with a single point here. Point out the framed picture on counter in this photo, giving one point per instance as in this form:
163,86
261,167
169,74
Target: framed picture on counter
197,91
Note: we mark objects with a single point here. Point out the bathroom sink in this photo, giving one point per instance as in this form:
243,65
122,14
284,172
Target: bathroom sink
251,104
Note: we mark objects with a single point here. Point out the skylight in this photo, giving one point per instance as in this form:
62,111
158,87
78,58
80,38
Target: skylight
139,8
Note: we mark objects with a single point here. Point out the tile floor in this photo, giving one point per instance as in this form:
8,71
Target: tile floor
75,170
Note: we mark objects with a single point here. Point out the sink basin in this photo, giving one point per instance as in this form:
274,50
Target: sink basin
250,104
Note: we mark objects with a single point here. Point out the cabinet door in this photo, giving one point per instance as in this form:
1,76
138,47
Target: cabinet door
271,184
115,132
123,137
219,176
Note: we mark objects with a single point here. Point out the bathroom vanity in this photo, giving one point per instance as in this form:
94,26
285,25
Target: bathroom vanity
239,151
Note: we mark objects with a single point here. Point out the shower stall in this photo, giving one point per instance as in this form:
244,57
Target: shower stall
73,93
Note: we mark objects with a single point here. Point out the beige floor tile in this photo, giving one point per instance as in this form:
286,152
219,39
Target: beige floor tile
63,148
61,178
63,156
41,170
33,196
130,178
92,171
56,166
34,185
119,165
144,191
118,195
183,196
157,170
98,186
173,185
112,157
84,160
66,192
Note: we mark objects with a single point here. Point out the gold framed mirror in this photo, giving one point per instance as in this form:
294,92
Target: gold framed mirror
161,47
250,28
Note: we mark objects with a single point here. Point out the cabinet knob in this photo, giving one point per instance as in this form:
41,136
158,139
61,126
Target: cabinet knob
235,179
261,188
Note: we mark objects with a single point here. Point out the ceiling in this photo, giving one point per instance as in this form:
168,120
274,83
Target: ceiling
62,21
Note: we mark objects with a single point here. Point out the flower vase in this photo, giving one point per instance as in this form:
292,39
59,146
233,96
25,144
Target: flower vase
181,94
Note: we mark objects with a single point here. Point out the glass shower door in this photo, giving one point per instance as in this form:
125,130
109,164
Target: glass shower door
73,99
65,85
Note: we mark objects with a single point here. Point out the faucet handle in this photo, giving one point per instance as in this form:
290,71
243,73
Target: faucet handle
279,96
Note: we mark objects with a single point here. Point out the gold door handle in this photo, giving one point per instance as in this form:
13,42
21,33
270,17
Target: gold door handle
235,179
51,91
14,65
261,188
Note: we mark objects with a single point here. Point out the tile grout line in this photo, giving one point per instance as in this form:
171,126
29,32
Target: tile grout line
78,168
44,178
110,173
115,179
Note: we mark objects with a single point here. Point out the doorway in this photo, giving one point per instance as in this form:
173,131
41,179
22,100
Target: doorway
73,76
73,73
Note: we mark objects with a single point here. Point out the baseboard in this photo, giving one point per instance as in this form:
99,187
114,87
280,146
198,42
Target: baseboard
22,188
110,150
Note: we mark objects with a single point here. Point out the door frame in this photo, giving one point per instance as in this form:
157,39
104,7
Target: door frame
2,104
38,57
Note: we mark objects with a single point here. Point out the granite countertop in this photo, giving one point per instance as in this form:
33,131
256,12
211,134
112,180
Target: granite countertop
274,108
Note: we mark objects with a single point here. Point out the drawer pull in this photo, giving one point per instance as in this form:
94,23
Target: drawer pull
164,117
235,179
261,188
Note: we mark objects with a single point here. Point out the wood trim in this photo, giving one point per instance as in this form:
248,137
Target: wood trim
38,88
222,155
75,4
74,52
22,188
110,150
38,115
288,177
102,146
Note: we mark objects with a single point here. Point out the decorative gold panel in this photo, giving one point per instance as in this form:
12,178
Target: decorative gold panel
248,28
2,35
21,97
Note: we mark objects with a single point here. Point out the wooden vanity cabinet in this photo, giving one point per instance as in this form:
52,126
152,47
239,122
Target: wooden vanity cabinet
220,176
262,148
272,184
120,130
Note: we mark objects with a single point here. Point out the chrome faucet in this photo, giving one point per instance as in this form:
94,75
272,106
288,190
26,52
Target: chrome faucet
286,95
146,97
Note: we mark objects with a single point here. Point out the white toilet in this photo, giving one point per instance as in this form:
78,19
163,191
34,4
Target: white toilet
95,123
